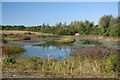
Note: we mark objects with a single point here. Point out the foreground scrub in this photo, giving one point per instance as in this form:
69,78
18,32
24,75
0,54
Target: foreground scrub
77,66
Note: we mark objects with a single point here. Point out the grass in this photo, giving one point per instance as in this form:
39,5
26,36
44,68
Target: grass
65,39
29,33
11,36
11,50
24,32
15,39
96,62
91,42
99,37
26,38
77,66
47,36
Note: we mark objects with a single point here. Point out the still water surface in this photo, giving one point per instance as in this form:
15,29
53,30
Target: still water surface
54,50
39,51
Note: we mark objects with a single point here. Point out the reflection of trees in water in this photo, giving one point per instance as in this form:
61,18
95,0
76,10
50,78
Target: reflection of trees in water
56,45
60,48
43,47
52,43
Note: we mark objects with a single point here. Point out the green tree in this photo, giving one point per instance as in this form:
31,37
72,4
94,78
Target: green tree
104,24
104,21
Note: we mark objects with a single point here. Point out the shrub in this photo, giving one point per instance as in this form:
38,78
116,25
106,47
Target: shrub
28,33
26,38
97,52
9,50
111,64
4,35
4,41
91,42
10,59
10,34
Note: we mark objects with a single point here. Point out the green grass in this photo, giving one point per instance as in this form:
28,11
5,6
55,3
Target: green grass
75,67
65,39
29,33
11,50
91,42
47,36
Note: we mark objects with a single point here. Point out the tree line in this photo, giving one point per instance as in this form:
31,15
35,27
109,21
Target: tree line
107,26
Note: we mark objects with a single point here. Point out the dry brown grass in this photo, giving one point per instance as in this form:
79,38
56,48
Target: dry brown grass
22,32
100,37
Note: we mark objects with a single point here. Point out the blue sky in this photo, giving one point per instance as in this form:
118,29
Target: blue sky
37,13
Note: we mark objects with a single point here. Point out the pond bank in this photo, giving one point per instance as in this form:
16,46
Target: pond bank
99,37
93,62
84,66
45,46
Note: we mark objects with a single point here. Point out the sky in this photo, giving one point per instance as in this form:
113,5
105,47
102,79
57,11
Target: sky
37,13
60,0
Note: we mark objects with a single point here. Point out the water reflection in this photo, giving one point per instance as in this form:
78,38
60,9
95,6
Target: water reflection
46,51
55,49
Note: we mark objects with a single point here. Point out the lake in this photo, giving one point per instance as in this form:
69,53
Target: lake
46,48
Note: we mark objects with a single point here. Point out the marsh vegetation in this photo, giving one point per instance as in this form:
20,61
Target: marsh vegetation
79,65
60,54
80,61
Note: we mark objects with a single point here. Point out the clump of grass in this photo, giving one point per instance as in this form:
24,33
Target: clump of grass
10,34
46,36
8,60
11,50
26,38
28,33
4,35
65,40
111,64
91,42
15,36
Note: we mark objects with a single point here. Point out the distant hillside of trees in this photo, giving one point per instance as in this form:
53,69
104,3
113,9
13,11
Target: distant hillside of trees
107,26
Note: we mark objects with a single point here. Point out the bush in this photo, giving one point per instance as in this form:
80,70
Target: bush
26,38
106,34
4,41
113,61
28,33
4,35
10,34
10,59
111,64
97,52
10,50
